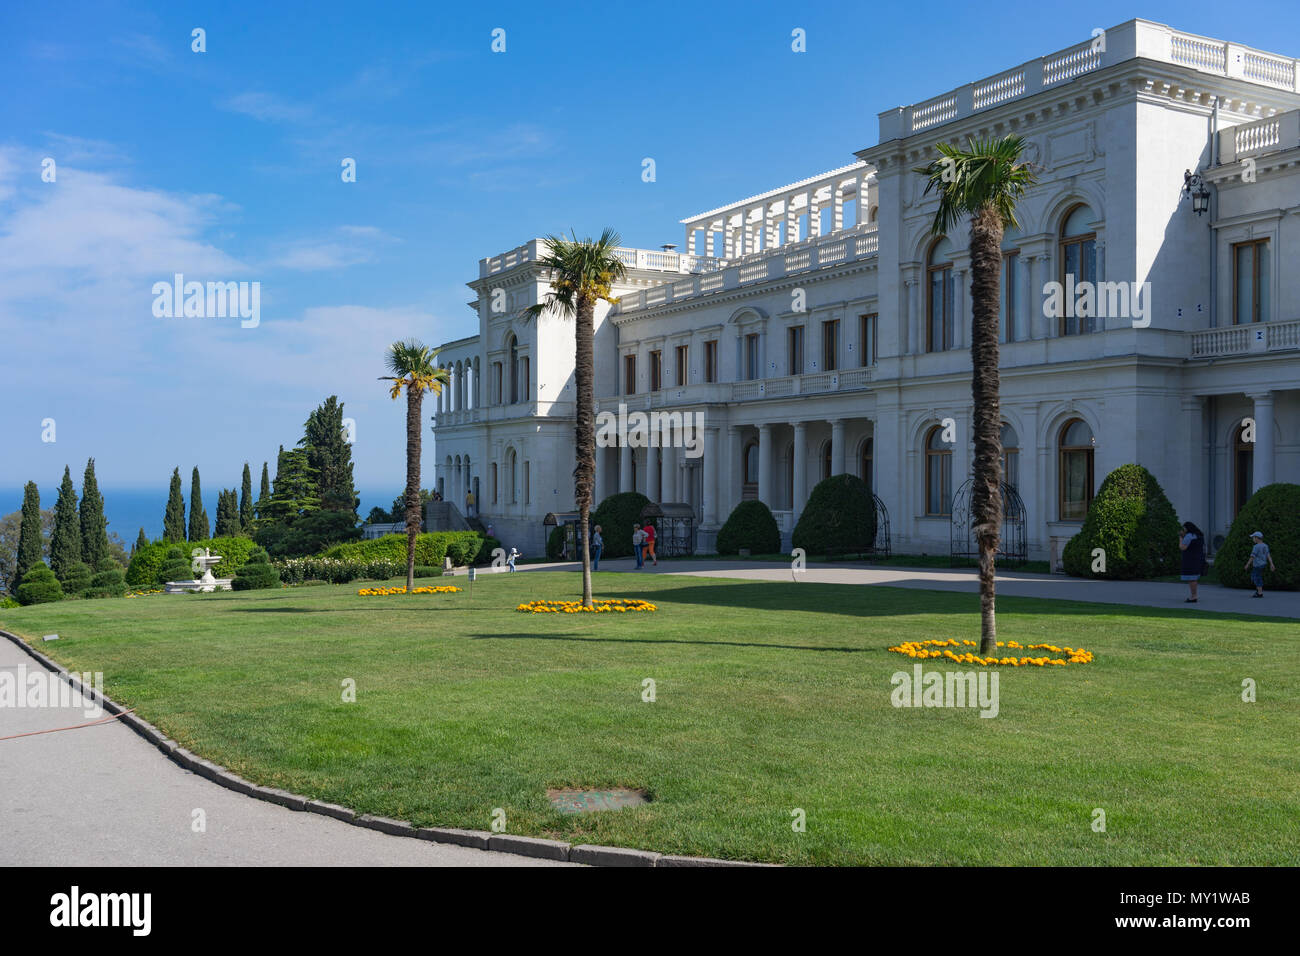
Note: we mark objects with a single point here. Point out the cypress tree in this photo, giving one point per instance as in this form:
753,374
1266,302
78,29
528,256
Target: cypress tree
227,514
265,495
29,534
174,520
94,526
295,489
140,542
198,514
330,455
65,541
246,501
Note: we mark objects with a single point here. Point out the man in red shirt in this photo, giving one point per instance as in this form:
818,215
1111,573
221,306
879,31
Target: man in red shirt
650,544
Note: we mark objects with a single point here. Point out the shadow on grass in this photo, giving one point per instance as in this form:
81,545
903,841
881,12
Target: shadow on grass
672,640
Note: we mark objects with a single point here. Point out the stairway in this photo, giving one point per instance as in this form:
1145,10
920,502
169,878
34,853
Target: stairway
444,516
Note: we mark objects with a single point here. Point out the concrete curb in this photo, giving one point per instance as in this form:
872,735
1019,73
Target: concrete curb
589,854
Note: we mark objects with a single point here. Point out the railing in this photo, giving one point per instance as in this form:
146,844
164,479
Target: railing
860,242
647,259
1136,38
1246,339
1266,135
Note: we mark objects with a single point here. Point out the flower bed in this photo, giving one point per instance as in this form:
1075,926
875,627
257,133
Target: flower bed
921,651
608,605
427,589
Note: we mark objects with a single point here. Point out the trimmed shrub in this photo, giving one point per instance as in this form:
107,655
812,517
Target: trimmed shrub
338,570
555,543
8,602
39,586
107,583
147,563
257,573
1274,510
616,515
430,548
750,525
422,571
78,578
840,518
1134,523
485,552
464,549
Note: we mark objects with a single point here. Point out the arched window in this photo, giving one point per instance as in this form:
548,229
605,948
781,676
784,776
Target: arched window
1010,456
1078,257
875,212
938,473
1243,466
940,299
1076,460
751,463
514,369
866,462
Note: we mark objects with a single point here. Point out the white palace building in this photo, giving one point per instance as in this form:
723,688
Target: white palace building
819,328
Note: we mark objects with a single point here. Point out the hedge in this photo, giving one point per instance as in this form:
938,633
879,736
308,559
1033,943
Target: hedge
616,515
1133,522
148,561
839,518
39,586
490,544
342,570
1274,510
78,578
430,548
750,525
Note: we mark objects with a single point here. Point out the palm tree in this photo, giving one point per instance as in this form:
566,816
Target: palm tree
582,273
412,366
984,181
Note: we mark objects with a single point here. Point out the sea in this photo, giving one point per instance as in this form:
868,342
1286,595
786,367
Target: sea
130,509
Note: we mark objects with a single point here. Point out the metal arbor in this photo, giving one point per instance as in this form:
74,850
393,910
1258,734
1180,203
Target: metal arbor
674,527
1013,548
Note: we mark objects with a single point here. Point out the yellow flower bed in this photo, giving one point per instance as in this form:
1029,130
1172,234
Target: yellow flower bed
427,589
921,650
621,605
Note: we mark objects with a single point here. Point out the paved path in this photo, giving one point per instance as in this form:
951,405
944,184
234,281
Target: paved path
103,796
1057,587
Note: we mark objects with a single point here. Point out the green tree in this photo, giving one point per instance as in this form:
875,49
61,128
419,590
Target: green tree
413,371
329,453
582,273
227,514
30,540
94,527
174,519
65,542
984,182
199,528
265,490
246,500
141,541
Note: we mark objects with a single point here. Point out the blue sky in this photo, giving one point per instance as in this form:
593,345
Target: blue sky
225,165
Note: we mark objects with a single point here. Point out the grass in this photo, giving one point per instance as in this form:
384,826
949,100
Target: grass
770,697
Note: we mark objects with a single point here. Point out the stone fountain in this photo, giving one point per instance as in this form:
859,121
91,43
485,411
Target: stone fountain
203,562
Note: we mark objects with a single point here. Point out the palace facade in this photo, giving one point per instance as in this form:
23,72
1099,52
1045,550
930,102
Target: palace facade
820,328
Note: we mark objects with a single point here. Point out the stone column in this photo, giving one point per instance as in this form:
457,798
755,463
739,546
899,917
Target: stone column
626,480
814,215
653,488
837,446
1022,324
1263,453
837,201
600,491
710,477
800,464
1193,459
791,221
765,464
669,489
735,467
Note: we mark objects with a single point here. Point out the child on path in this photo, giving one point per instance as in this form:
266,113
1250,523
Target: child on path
511,559
1260,557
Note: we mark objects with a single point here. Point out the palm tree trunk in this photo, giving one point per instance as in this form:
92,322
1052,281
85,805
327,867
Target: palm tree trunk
585,438
986,487
414,401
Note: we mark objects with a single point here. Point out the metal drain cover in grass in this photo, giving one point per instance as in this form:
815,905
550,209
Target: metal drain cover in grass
589,801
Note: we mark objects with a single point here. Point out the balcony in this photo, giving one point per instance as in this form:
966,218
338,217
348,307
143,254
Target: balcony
836,248
1269,135
650,260
816,383
1254,339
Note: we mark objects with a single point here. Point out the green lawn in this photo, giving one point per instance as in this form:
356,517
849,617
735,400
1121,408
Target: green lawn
771,697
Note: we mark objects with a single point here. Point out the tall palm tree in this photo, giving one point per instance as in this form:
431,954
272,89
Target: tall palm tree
985,181
582,273
413,370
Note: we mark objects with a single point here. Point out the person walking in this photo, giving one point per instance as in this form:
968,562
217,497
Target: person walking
1192,545
638,545
511,559
649,530
1260,557
469,504
597,545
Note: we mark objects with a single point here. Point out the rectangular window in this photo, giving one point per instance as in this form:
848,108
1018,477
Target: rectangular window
795,348
940,303
492,480
523,379
867,338
1250,281
496,383
1007,323
528,491
711,360
629,374
830,345
751,356
656,370
683,365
